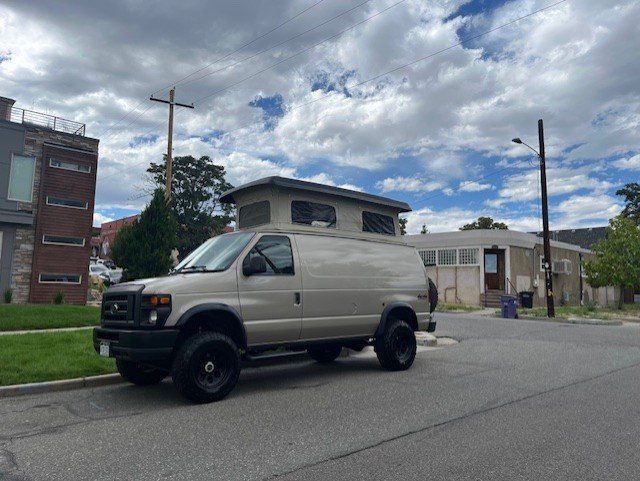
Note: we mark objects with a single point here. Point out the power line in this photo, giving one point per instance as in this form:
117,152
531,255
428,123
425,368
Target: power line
426,57
281,43
395,69
216,61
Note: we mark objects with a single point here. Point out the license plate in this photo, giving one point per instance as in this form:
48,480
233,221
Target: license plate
104,349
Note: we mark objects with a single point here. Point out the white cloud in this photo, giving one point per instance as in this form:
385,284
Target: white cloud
473,186
99,218
632,163
407,184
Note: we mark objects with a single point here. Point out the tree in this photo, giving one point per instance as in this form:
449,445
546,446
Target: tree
196,188
403,225
143,248
424,229
617,257
631,194
485,223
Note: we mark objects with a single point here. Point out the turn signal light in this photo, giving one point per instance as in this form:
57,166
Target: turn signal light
159,300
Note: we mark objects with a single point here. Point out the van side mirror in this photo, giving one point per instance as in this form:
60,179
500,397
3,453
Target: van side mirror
254,265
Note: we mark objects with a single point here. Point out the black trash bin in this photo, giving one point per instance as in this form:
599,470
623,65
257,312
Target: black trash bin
526,299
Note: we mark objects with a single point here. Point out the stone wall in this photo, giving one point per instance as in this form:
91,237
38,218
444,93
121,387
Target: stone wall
21,263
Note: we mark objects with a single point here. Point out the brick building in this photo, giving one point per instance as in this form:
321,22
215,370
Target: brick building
47,188
108,231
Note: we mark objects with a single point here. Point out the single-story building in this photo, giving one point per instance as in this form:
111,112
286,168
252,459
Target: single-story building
476,267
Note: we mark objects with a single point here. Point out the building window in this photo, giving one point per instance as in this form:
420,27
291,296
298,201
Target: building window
63,240
60,278
276,250
447,257
76,204
313,214
428,257
69,165
468,257
21,176
254,214
378,223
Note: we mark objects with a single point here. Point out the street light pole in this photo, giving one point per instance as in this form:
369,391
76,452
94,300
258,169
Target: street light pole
548,263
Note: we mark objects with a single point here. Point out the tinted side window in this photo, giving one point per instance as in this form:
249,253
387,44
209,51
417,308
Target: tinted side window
254,214
312,213
378,223
276,250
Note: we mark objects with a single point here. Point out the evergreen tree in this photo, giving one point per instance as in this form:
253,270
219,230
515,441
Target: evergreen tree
485,223
143,249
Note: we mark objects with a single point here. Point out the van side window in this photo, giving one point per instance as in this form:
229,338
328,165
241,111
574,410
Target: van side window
378,223
276,250
254,214
312,213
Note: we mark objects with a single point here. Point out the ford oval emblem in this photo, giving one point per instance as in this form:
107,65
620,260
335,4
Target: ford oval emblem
114,308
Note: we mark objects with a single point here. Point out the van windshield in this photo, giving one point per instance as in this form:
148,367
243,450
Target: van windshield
216,254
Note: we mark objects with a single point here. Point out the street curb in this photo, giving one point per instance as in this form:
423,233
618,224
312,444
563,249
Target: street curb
575,320
39,331
62,385
426,339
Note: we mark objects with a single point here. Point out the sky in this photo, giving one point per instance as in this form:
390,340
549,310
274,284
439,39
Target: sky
373,95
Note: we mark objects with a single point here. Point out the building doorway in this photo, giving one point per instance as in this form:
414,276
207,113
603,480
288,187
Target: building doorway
494,278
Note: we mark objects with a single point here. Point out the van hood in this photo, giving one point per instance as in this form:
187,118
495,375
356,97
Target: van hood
192,283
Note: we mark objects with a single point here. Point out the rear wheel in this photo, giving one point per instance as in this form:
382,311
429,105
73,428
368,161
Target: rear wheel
206,367
326,353
396,347
139,374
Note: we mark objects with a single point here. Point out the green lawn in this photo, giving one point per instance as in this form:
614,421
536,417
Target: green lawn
627,311
445,307
14,317
49,356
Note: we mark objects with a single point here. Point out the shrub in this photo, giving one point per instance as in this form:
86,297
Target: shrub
59,298
590,306
8,296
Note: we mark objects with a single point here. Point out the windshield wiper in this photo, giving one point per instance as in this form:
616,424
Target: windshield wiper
188,269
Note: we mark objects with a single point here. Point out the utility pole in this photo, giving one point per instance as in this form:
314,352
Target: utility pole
171,103
548,262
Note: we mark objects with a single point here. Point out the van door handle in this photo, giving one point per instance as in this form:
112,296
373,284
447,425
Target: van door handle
296,298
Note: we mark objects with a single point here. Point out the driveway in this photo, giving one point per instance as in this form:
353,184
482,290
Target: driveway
513,400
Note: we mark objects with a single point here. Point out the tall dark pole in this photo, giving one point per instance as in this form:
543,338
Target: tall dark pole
551,311
169,173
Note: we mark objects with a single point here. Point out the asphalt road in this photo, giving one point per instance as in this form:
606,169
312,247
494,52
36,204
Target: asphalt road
512,400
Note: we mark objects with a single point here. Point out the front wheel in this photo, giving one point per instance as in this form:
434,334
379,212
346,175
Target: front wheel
139,374
206,367
396,346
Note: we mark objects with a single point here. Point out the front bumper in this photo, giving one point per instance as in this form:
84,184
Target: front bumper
137,344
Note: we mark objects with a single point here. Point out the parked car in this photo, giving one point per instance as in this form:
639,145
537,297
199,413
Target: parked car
332,251
114,273
98,271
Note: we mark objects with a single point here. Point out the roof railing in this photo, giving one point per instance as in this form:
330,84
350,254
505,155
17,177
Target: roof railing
29,117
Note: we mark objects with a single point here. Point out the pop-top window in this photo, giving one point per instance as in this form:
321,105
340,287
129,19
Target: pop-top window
254,214
378,223
312,213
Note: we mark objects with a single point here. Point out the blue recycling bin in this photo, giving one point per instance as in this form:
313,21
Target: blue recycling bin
508,305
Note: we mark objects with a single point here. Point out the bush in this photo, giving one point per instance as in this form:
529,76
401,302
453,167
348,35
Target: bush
8,296
590,306
59,298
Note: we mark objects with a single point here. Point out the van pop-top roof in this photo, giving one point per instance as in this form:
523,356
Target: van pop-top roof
285,204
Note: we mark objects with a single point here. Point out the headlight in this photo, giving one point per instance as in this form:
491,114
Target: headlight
155,309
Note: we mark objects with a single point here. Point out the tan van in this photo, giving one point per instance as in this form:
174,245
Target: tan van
311,267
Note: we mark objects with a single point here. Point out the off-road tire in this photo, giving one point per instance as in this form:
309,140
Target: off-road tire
396,346
325,354
189,369
139,374
433,296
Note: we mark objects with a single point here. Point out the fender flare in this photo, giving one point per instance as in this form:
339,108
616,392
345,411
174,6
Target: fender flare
384,318
214,307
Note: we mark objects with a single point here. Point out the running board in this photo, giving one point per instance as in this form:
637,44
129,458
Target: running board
273,358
